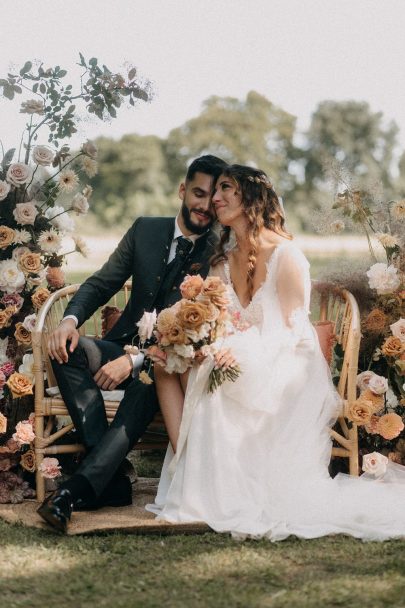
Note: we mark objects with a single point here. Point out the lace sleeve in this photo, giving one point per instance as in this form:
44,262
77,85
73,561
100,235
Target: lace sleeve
293,288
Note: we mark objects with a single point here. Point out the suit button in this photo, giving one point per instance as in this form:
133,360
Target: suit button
150,293
174,288
158,278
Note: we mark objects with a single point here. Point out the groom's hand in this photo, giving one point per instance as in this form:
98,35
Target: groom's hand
113,373
65,331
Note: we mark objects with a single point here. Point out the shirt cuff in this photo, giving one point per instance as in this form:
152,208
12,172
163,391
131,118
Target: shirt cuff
137,362
75,319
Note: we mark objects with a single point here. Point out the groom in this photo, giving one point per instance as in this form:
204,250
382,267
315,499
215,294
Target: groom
155,253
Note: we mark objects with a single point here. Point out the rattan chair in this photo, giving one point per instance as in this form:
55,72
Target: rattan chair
47,407
340,307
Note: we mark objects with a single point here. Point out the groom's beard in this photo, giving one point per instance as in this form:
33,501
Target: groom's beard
190,225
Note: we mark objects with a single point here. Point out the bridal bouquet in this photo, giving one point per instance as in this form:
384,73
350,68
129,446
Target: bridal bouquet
189,329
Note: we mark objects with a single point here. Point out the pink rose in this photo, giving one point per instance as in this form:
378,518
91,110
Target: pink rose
378,384
13,299
50,468
7,368
24,433
18,174
191,286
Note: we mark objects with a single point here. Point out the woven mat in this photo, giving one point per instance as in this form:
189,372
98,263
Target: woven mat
133,519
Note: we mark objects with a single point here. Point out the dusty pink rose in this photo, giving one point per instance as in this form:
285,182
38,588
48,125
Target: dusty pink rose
50,468
191,286
7,368
378,384
398,329
25,213
18,174
13,299
24,433
363,379
55,277
29,322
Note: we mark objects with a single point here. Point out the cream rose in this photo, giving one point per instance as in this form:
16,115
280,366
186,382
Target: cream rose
363,379
42,155
398,329
378,384
80,204
29,322
383,278
18,174
25,213
146,325
374,464
11,277
4,190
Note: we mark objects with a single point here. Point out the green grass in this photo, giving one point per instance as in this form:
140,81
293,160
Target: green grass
39,570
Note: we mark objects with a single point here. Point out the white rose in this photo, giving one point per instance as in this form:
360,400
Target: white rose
32,106
11,277
63,221
18,174
80,204
363,380
90,149
27,367
378,384
25,213
41,155
375,464
4,190
383,278
398,329
146,325
29,322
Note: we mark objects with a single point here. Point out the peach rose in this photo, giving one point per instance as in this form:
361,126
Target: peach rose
5,316
215,289
23,433
22,335
166,320
3,423
192,315
392,347
390,425
191,286
27,461
20,386
360,411
40,296
6,236
50,468
176,335
376,321
30,262
55,277
376,400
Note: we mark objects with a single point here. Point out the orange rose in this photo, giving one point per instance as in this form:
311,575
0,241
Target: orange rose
376,321
19,385
390,425
361,411
55,277
392,347
30,262
6,236
22,335
40,296
27,461
192,315
376,400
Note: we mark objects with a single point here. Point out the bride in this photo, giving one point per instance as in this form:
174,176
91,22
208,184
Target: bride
252,458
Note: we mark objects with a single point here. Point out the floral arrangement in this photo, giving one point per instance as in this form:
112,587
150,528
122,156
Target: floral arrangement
380,407
189,329
40,189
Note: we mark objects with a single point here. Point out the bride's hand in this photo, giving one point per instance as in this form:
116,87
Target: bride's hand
224,359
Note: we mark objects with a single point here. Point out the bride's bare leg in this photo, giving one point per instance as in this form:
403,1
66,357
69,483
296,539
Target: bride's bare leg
169,388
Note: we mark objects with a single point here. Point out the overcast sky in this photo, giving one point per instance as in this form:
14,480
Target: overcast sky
295,52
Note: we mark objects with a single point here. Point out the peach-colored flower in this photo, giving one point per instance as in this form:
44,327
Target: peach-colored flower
360,411
376,400
3,423
23,433
175,335
192,315
390,425
27,461
6,315
50,468
392,347
6,236
55,277
214,289
145,378
191,286
376,321
166,320
371,427
30,262
22,335
19,385
25,213
40,296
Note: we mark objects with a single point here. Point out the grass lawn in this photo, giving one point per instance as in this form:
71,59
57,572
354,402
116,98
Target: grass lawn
39,570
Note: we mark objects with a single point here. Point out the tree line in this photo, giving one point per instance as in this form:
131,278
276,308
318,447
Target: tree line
139,175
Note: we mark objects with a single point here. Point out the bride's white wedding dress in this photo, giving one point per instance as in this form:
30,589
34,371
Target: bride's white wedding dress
253,456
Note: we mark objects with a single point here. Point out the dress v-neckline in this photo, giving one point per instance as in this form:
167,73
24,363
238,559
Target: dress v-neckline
260,288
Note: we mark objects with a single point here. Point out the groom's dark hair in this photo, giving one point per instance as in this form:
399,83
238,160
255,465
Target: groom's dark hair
209,164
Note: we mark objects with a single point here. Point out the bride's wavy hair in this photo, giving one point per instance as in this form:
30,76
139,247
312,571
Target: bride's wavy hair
262,209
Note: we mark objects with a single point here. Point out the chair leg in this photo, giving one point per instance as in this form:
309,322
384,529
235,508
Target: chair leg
354,452
39,456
